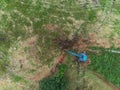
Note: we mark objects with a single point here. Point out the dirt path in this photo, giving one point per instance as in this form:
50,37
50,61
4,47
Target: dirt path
47,71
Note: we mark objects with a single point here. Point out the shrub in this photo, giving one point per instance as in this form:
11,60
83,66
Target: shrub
55,82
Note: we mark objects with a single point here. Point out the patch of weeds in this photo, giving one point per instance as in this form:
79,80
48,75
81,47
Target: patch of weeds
13,30
4,40
3,66
3,21
4,46
80,15
24,7
4,63
31,71
116,26
116,7
92,15
26,49
17,78
106,64
3,4
103,2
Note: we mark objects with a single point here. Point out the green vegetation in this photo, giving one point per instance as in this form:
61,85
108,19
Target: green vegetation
116,26
56,82
107,64
4,63
17,78
3,66
49,20
53,83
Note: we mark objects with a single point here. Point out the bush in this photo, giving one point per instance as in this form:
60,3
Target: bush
55,82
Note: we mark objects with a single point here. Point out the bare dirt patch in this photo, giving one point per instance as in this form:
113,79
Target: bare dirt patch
47,71
96,40
7,84
40,75
100,42
52,28
25,62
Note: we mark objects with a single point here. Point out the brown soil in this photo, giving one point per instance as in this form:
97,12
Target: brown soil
82,44
52,28
46,71
23,61
40,75
98,41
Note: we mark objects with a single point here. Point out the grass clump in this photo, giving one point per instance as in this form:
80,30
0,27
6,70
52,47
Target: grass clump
3,66
4,63
17,78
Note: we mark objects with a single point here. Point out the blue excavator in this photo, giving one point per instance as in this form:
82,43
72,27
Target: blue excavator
82,57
